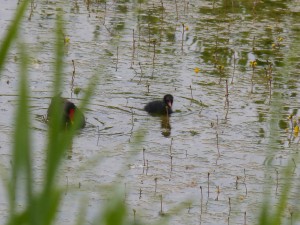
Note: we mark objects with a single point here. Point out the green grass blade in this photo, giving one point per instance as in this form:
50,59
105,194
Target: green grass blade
271,214
59,140
55,149
114,212
21,161
82,212
48,202
12,32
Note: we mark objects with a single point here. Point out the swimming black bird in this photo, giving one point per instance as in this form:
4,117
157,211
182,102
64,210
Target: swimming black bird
163,107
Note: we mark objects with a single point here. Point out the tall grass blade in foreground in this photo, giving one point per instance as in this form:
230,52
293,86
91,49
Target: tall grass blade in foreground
11,33
42,207
21,162
271,213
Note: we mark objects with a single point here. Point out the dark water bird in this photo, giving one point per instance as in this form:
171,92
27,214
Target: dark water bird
69,112
163,107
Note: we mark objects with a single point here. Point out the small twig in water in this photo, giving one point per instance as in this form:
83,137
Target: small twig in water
161,21
189,208
217,136
147,166
117,58
229,202
133,49
191,92
245,182
73,78
218,192
226,100
221,72
171,146
153,59
216,50
161,208
234,61
208,184
32,7
132,121
226,95
144,156
201,202
141,73
253,64
98,136
182,39
294,162
148,87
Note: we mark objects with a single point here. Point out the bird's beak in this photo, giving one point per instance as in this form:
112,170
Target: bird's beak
169,104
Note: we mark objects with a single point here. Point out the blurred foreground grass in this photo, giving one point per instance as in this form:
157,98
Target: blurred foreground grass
43,206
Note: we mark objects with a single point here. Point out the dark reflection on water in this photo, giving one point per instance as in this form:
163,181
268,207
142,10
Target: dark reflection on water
165,126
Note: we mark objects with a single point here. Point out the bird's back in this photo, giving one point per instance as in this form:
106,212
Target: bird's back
157,107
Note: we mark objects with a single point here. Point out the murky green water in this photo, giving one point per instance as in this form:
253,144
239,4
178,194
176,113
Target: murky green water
142,50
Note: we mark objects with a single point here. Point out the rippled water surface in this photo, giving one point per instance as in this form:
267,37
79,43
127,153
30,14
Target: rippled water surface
142,50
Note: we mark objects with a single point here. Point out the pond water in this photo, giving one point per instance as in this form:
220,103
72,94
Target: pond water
228,147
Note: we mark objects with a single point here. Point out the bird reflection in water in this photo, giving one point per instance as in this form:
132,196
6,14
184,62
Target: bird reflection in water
165,125
162,108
